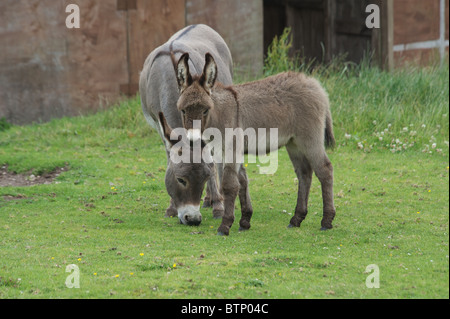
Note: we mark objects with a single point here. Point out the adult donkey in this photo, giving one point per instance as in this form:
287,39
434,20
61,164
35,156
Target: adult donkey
295,104
159,93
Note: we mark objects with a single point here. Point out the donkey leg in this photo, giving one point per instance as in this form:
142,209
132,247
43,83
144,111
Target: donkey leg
324,172
207,199
303,171
230,190
171,211
215,196
244,198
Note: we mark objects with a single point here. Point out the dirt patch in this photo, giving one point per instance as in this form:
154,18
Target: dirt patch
27,179
14,197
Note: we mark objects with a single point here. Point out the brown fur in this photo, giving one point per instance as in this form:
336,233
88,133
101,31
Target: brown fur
292,102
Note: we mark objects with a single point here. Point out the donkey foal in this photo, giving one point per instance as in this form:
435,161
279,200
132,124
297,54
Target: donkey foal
293,103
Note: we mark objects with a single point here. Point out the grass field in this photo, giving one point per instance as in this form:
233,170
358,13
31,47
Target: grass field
104,213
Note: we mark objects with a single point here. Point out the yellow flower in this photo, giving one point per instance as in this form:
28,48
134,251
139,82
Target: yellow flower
117,276
174,266
79,259
53,258
141,254
418,212
95,274
131,273
246,165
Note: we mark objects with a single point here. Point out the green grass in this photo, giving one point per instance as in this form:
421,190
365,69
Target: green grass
405,109
105,213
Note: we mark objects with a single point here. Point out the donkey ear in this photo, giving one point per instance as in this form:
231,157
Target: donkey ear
208,78
184,77
166,130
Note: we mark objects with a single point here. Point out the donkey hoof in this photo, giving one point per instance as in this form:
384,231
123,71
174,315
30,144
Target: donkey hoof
218,214
218,210
206,203
170,212
244,225
219,233
293,226
325,228
223,231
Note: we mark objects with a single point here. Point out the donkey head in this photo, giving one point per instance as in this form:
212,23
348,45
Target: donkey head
185,180
195,102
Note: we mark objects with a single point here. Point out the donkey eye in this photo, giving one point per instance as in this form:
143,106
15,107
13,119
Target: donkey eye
183,112
205,112
181,181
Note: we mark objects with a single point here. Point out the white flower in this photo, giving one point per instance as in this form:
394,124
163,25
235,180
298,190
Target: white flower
347,136
433,145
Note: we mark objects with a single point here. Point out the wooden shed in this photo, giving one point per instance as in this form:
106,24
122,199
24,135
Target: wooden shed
48,70
413,31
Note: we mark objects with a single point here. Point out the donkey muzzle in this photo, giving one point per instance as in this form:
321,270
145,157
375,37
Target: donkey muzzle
190,215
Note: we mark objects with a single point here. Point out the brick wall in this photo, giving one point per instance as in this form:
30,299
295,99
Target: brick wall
420,31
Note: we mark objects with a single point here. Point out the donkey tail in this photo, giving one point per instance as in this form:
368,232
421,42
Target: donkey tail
330,142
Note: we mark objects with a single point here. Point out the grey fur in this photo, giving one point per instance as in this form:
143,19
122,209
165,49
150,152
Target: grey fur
159,93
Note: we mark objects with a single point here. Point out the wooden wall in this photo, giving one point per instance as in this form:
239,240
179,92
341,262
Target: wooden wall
240,23
150,23
412,31
321,29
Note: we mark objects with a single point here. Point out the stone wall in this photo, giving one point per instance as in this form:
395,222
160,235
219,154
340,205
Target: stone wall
49,71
